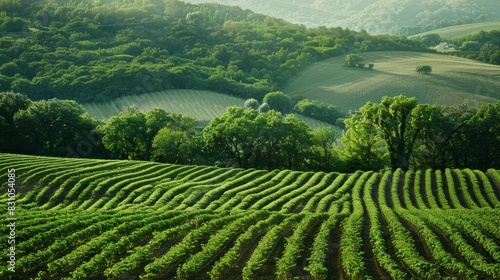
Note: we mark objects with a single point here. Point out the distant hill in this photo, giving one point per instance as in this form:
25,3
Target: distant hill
374,16
453,32
453,81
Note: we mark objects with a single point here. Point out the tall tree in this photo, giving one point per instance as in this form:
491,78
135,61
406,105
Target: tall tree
279,101
483,138
249,138
430,148
324,139
167,145
10,104
361,146
49,125
399,122
125,135
235,134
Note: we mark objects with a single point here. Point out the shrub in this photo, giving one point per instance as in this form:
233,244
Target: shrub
424,69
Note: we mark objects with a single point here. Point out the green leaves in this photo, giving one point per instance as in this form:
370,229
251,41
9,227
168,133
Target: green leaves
249,138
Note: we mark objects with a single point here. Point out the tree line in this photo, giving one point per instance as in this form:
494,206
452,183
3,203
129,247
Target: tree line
482,46
395,133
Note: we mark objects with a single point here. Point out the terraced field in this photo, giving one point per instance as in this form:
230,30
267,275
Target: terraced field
97,219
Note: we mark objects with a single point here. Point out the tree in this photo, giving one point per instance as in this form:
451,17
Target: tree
248,138
487,51
167,145
125,135
361,146
10,104
50,125
158,119
431,40
482,138
495,57
318,110
432,144
354,60
424,69
324,140
235,134
398,122
296,143
279,101
264,108
251,103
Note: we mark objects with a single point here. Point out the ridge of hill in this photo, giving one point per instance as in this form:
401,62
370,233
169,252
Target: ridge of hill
453,81
374,16
103,219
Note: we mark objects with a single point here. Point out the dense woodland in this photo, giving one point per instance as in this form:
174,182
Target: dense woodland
395,133
99,50
483,46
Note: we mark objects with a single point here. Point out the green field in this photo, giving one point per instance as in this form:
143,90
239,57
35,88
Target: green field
202,105
453,81
456,31
99,219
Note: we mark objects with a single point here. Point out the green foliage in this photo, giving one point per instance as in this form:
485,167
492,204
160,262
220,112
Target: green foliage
354,60
135,135
248,138
45,127
169,145
424,69
264,108
125,135
483,46
430,40
278,101
361,148
318,110
251,103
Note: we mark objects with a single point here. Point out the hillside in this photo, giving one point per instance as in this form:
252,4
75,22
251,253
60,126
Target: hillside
453,32
374,16
95,51
453,80
97,219
202,105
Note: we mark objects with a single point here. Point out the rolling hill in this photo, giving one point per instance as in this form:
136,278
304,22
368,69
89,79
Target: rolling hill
453,32
453,80
100,219
202,105
374,16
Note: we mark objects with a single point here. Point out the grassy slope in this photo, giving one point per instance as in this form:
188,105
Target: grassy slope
461,30
453,81
203,105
